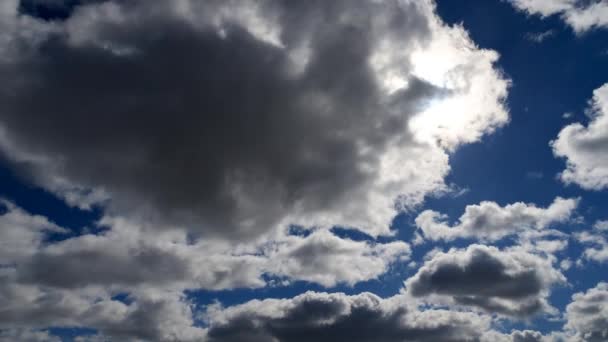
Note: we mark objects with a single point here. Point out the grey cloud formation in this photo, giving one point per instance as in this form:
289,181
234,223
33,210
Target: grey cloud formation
11,335
126,257
584,147
151,316
510,282
235,117
488,221
338,317
73,282
588,314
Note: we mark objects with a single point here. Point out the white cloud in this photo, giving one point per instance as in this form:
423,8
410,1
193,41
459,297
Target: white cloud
326,259
595,242
581,15
488,221
21,234
584,147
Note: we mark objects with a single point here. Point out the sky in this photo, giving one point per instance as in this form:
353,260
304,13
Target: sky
391,170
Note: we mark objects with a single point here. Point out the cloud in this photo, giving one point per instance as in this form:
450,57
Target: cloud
601,225
236,118
509,282
579,14
587,315
326,259
595,242
338,317
10,335
21,234
74,282
539,37
584,147
488,221
161,316
125,257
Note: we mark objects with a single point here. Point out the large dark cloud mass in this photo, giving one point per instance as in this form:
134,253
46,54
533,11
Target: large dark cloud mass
213,128
229,118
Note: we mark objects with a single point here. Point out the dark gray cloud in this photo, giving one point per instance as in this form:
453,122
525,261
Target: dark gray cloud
210,129
77,268
229,118
337,317
514,283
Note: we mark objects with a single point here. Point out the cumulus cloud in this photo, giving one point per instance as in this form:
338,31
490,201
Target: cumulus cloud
126,257
488,221
21,234
595,242
587,315
326,259
581,15
161,316
235,118
584,147
507,282
337,317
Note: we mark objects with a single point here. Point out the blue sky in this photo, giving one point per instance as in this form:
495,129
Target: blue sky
189,171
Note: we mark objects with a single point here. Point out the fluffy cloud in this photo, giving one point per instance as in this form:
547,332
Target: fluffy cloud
588,314
21,234
581,15
73,282
238,117
488,221
338,317
510,282
584,147
595,242
161,316
126,257
326,259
